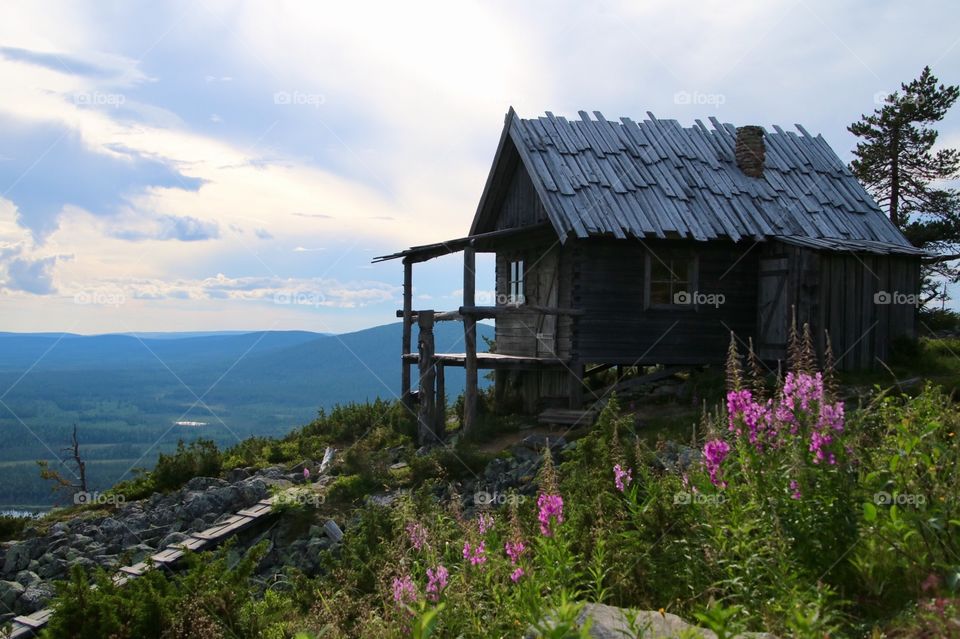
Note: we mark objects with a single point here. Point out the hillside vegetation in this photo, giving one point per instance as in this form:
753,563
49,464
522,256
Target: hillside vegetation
796,514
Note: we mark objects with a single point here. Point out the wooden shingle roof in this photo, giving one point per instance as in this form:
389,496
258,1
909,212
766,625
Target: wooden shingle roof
656,178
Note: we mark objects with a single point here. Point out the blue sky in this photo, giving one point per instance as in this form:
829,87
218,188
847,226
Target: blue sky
209,165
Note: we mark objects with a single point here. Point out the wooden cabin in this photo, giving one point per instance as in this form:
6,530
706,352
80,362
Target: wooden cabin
623,243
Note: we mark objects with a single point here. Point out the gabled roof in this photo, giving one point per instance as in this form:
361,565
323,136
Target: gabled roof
655,178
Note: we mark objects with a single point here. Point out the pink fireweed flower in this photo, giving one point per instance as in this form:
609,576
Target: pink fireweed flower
436,582
404,591
714,452
484,523
619,475
551,508
514,549
737,402
795,488
306,473
417,534
516,575
475,556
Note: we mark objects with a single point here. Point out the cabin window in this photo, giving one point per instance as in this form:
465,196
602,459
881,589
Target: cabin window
516,282
671,280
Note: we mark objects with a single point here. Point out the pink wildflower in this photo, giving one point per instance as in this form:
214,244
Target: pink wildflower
436,581
516,575
417,534
306,473
714,452
795,488
484,523
619,475
475,556
404,591
514,549
551,508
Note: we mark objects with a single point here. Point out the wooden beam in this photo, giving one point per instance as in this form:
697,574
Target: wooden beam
482,312
469,339
426,418
438,316
407,315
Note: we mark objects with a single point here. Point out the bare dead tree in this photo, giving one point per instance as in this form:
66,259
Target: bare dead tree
79,469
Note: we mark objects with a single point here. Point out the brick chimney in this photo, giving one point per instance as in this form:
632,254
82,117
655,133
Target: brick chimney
750,150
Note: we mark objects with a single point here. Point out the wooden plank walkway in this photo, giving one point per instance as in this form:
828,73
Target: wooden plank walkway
30,625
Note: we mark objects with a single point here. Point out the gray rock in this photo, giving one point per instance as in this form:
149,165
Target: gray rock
204,483
59,529
27,578
56,567
538,442
609,622
17,559
36,597
10,591
238,474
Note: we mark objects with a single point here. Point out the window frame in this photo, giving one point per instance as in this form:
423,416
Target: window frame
516,281
670,257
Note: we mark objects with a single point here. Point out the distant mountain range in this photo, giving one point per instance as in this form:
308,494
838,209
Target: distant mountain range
127,391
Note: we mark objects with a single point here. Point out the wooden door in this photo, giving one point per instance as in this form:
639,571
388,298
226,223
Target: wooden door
772,308
548,274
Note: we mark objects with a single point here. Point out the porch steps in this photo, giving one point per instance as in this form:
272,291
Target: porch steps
569,416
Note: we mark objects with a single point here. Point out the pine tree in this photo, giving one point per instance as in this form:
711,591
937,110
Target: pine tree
895,161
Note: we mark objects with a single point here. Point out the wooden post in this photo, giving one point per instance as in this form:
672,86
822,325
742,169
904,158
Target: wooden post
576,384
469,339
441,419
405,396
427,415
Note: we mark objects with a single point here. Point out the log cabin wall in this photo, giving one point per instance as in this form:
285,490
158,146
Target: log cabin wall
862,303
620,326
860,298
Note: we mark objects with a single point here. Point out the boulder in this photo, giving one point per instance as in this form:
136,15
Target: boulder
538,442
10,591
36,597
204,483
27,578
610,622
17,559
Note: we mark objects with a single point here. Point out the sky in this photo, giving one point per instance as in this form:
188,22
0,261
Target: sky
207,165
